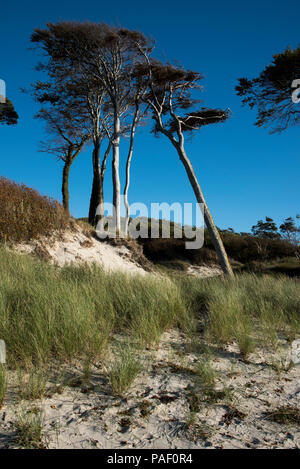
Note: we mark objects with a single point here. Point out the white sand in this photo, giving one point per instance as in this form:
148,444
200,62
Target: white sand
76,247
96,419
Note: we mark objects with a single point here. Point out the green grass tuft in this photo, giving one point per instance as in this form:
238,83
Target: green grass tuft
124,370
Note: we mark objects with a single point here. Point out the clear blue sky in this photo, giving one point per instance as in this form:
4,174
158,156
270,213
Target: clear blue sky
245,173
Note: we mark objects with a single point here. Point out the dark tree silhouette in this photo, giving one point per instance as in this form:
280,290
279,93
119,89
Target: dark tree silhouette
66,144
170,96
266,229
8,114
66,123
290,231
271,92
107,55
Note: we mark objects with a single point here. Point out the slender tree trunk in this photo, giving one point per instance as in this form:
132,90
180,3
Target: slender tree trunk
65,186
95,199
128,163
100,211
116,176
212,229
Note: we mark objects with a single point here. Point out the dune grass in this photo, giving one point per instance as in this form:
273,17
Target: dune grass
248,309
124,370
29,425
50,314
63,314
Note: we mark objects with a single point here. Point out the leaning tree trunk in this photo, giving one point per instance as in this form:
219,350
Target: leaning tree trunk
116,176
212,229
65,187
95,199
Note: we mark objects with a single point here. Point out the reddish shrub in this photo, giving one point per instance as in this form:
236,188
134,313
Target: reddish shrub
25,214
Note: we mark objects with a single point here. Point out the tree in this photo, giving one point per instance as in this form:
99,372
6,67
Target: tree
66,122
75,91
66,145
169,95
107,55
290,231
139,90
8,114
271,92
266,229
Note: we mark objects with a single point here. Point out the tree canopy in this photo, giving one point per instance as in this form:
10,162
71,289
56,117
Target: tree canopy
271,92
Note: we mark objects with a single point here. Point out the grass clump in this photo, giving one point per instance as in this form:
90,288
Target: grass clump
32,385
206,375
124,370
29,425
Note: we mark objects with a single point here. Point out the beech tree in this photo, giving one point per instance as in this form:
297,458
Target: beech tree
78,91
66,143
108,55
271,92
67,125
170,96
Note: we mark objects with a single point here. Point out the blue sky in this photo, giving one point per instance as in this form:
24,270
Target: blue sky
245,172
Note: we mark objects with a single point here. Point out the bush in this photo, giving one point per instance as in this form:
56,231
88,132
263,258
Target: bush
25,214
162,249
247,248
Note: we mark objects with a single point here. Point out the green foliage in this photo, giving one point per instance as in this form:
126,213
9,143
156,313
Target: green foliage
25,214
266,229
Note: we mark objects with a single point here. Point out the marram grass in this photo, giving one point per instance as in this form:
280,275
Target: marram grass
48,313
64,314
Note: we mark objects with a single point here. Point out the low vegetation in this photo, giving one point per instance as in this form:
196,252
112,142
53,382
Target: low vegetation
26,215
70,313
247,253
29,425
124,370
249,310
